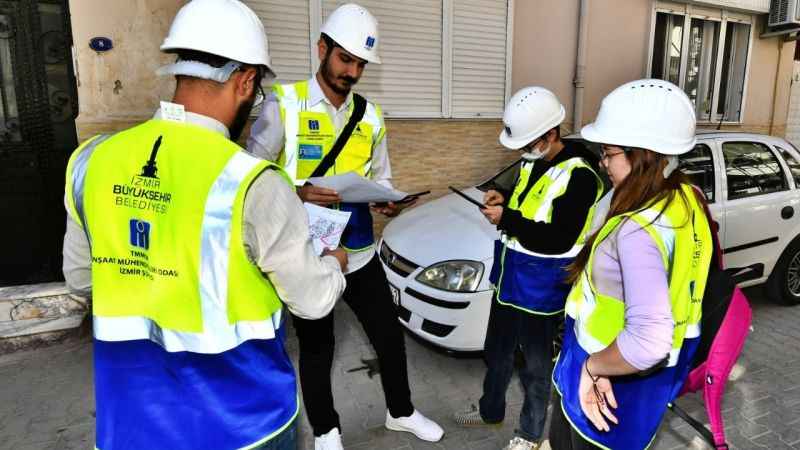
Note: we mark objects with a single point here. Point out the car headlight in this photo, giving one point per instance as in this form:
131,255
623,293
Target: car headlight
454,276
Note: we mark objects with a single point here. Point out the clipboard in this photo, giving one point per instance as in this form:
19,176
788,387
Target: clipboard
467,198
407,199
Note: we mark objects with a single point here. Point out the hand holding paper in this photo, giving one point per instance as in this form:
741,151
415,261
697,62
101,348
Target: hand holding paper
325,226
353,188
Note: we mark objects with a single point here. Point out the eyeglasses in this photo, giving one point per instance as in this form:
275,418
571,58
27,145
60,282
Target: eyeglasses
605,157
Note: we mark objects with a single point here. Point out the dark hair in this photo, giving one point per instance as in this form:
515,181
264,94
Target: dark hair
644,186
330,43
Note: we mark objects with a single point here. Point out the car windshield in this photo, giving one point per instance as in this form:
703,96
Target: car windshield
506,179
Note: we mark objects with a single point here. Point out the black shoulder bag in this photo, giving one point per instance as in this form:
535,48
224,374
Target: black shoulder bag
360,106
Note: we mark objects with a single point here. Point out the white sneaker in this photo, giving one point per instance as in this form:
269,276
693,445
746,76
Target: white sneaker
331,440
521,444
417,424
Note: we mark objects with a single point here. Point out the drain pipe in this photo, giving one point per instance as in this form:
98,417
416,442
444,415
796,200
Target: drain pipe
580,65
781,43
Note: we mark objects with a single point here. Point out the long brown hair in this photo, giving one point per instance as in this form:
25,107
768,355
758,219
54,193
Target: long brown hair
645,185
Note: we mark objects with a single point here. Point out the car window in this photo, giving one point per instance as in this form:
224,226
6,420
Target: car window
791,161
698,165
503,181
752,169
507,178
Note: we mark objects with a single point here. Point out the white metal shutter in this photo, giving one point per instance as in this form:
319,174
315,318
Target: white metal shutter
288,29
479,57
409,82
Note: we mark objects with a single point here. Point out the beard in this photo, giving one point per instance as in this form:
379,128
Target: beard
340,85
242,114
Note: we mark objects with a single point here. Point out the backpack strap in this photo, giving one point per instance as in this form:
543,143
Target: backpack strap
716,257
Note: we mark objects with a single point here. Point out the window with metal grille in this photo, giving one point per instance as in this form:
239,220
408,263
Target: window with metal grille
707,57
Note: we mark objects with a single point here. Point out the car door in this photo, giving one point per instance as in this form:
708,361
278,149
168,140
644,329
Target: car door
760,208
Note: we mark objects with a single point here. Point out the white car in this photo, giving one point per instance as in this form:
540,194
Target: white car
437,256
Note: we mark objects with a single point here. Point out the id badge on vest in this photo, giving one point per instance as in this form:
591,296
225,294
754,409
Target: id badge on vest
314,139
316,135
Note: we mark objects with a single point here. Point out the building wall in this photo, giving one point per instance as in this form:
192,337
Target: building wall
545,48
769,85
119,89
618,48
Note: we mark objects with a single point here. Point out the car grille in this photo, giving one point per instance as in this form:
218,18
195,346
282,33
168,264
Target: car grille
436,302
395,262
437,329
404,314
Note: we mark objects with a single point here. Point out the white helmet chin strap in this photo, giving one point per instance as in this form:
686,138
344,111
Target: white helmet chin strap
672,164
200,70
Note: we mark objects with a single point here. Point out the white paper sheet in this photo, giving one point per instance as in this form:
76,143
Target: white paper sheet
353,188
325,226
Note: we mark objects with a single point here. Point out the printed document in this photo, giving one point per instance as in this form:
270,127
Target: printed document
325,226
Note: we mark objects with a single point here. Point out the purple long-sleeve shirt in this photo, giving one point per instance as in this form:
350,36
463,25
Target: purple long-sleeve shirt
628,266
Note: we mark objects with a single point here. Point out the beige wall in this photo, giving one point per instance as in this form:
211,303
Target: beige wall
769,84
545,47
119,87
619,32
426,154
545,40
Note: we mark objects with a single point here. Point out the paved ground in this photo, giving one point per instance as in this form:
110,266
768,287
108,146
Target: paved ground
46,399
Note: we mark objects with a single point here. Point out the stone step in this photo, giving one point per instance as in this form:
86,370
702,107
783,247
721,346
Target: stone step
34,314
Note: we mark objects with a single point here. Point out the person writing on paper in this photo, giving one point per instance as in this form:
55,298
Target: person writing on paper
543,224
633,314
188,294
298,128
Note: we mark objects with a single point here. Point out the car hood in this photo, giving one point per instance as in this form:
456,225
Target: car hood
444,229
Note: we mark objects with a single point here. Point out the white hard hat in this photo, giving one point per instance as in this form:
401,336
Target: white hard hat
650,114
356,30
531,112
225,28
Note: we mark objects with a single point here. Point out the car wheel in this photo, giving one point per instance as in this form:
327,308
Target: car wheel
783,285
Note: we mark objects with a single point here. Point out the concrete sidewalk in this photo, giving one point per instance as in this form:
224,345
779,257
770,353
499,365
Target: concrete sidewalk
46,397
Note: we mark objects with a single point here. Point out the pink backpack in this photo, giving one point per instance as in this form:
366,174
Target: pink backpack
725,325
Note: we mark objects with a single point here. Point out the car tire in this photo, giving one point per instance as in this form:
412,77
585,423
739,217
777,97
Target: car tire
783,284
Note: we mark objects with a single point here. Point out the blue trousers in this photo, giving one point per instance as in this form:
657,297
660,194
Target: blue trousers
511,329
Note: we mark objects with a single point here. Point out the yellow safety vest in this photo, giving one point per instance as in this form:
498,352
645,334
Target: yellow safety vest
195,293
538,203
188,331
594,321
310,134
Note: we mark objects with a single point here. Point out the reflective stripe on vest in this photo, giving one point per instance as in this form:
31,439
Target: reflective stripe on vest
538,203
222,280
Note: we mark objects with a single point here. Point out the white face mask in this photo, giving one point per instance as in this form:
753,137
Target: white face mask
535,153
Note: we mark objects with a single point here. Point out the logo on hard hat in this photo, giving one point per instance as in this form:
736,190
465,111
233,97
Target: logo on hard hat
508,131
313,125
370,43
